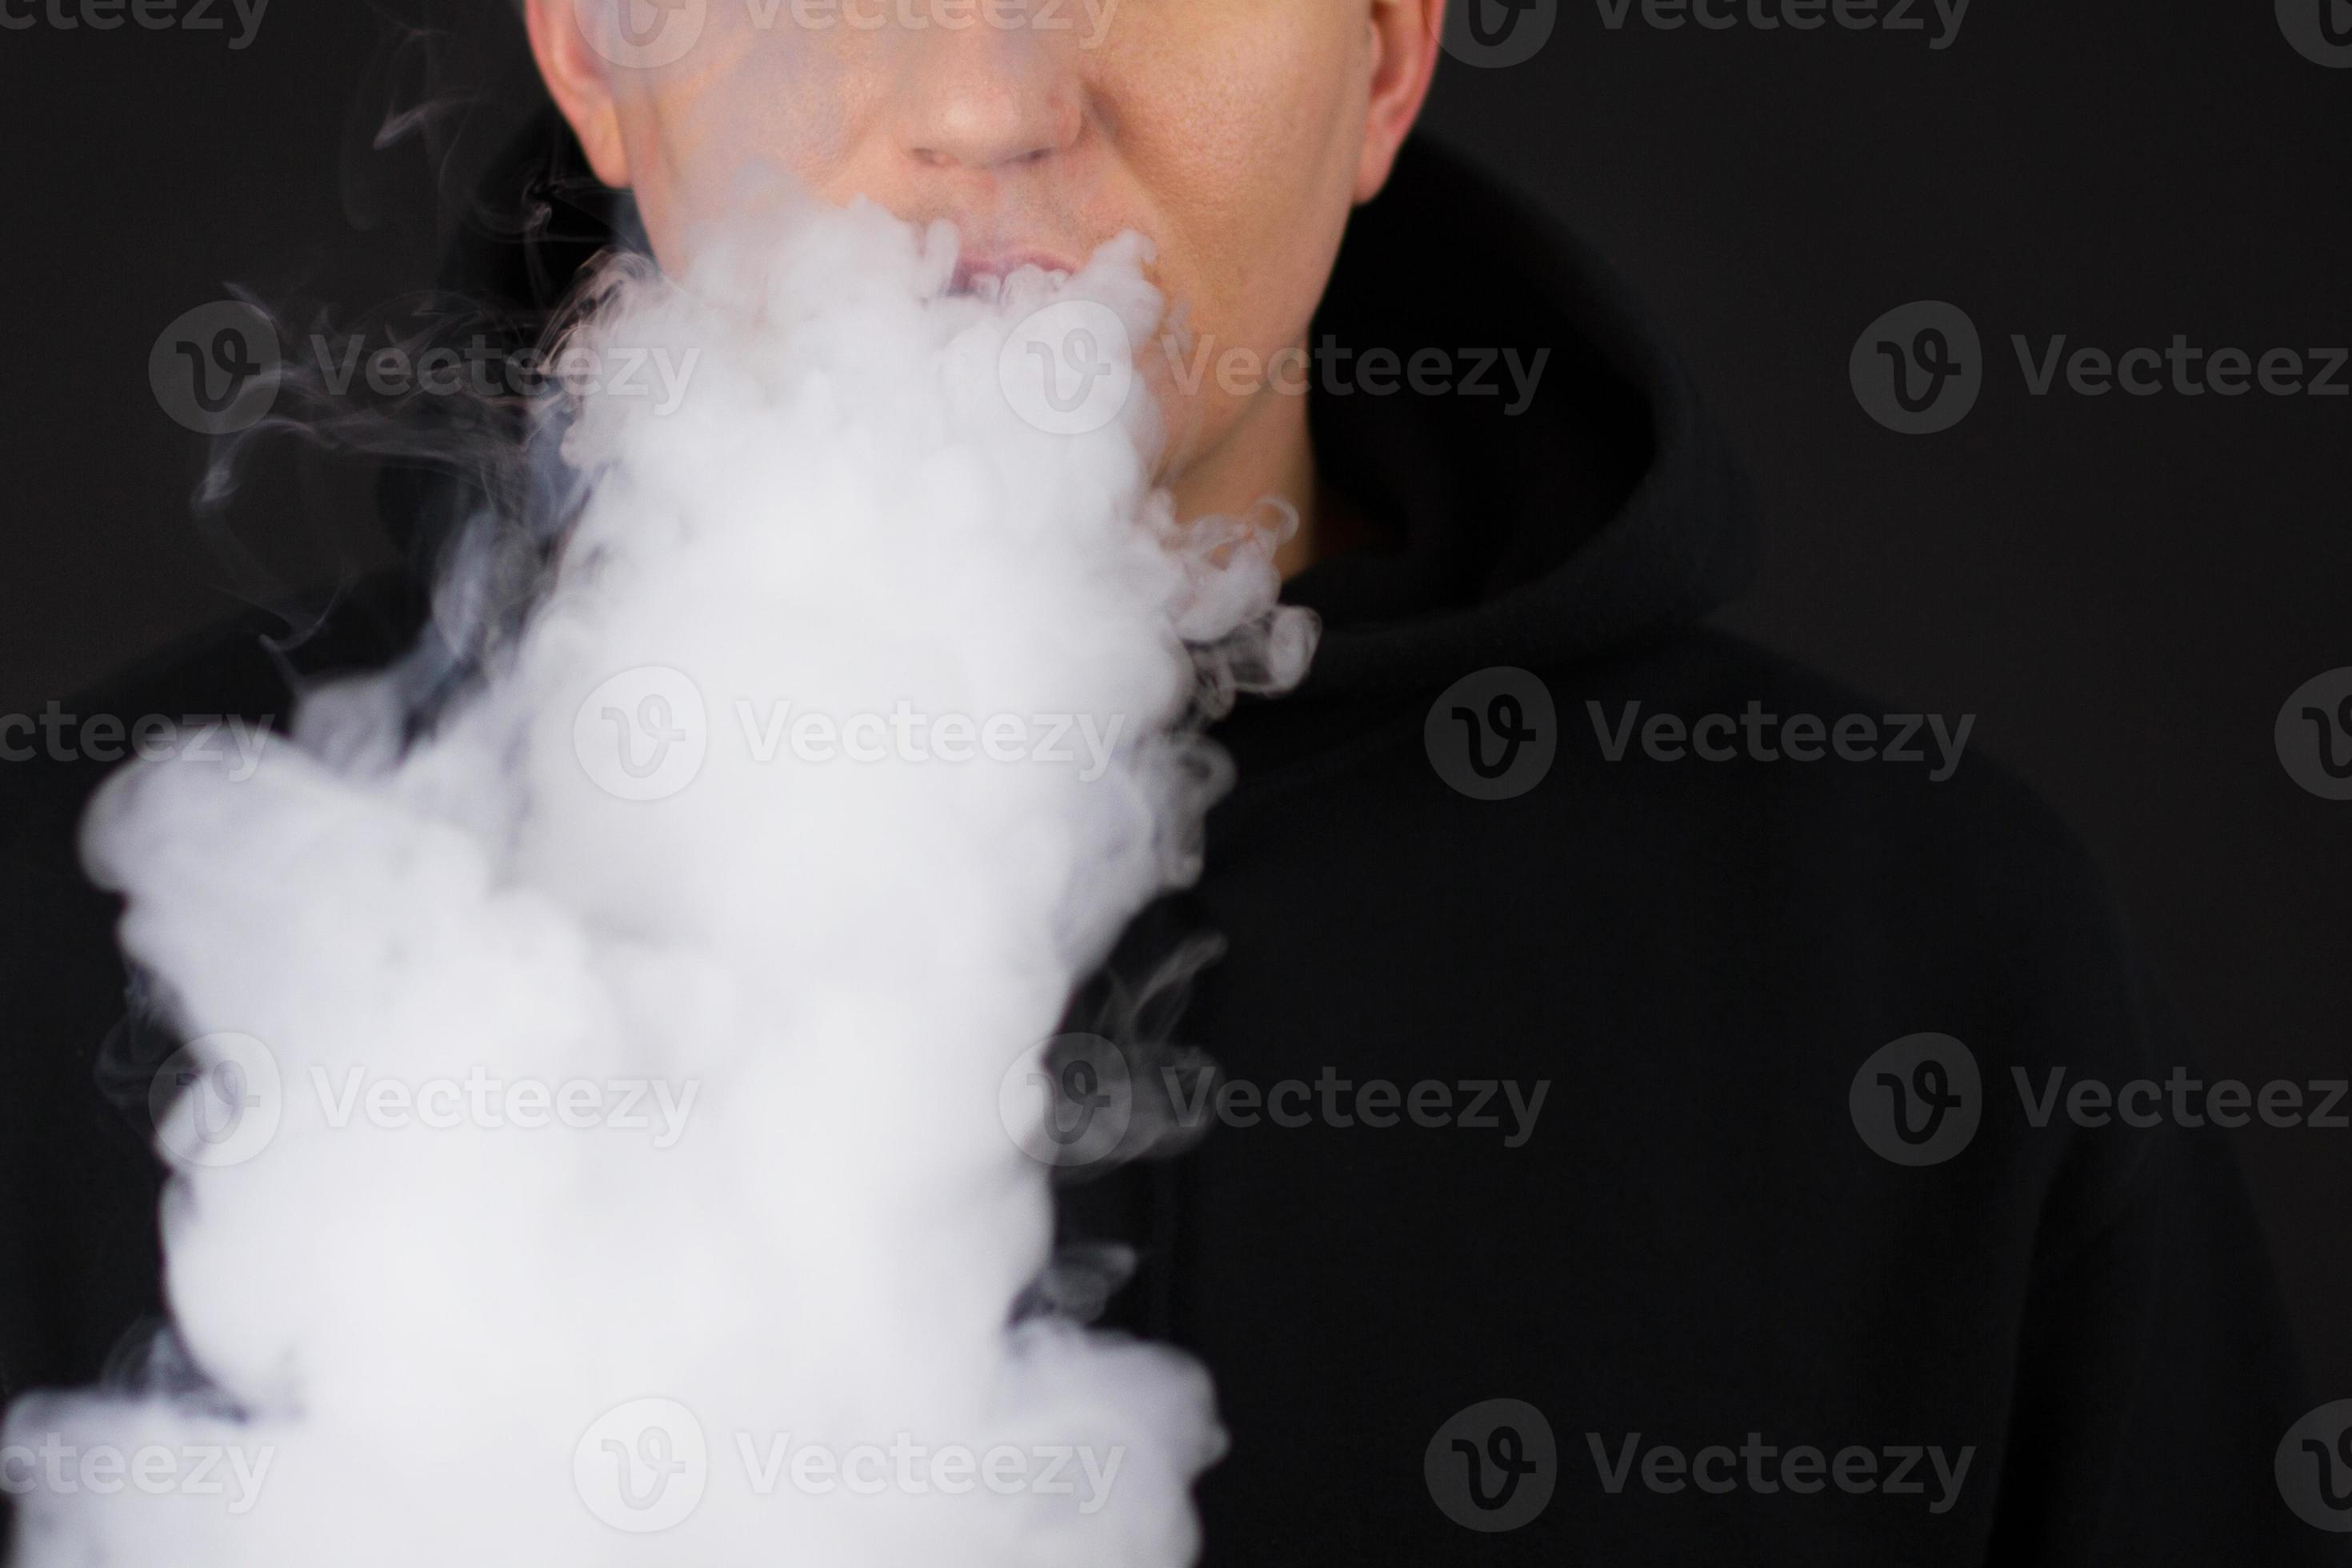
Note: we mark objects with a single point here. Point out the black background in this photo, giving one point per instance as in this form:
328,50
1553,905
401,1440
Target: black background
2124,590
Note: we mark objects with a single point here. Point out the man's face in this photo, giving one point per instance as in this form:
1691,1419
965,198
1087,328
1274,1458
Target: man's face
1236,134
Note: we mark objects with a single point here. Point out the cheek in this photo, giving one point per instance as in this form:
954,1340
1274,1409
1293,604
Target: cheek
755,106
1247,160
1245,138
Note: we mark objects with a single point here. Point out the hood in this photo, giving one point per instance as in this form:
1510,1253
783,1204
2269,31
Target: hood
1605,511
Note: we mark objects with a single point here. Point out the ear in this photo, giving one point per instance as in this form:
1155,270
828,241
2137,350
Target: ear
1406,39
580,82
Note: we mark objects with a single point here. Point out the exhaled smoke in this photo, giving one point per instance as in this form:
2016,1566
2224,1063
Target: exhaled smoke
606,1121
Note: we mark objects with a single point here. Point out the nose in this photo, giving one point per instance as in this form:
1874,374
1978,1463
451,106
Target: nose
987,100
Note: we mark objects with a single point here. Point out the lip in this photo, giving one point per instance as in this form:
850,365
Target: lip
1002,264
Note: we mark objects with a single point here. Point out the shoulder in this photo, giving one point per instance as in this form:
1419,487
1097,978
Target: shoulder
1891,803
1877,875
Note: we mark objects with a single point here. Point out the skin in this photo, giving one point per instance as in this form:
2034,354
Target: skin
1237,135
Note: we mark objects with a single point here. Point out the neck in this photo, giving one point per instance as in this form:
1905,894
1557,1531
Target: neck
1267,455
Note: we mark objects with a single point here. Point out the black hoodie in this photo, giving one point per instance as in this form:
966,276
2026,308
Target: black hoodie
1630,1146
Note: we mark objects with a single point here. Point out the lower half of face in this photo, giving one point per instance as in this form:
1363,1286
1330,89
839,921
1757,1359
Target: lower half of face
1229,132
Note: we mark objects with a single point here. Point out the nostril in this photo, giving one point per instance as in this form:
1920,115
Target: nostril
982,158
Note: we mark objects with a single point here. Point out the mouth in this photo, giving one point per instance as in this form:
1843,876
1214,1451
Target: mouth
985,274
